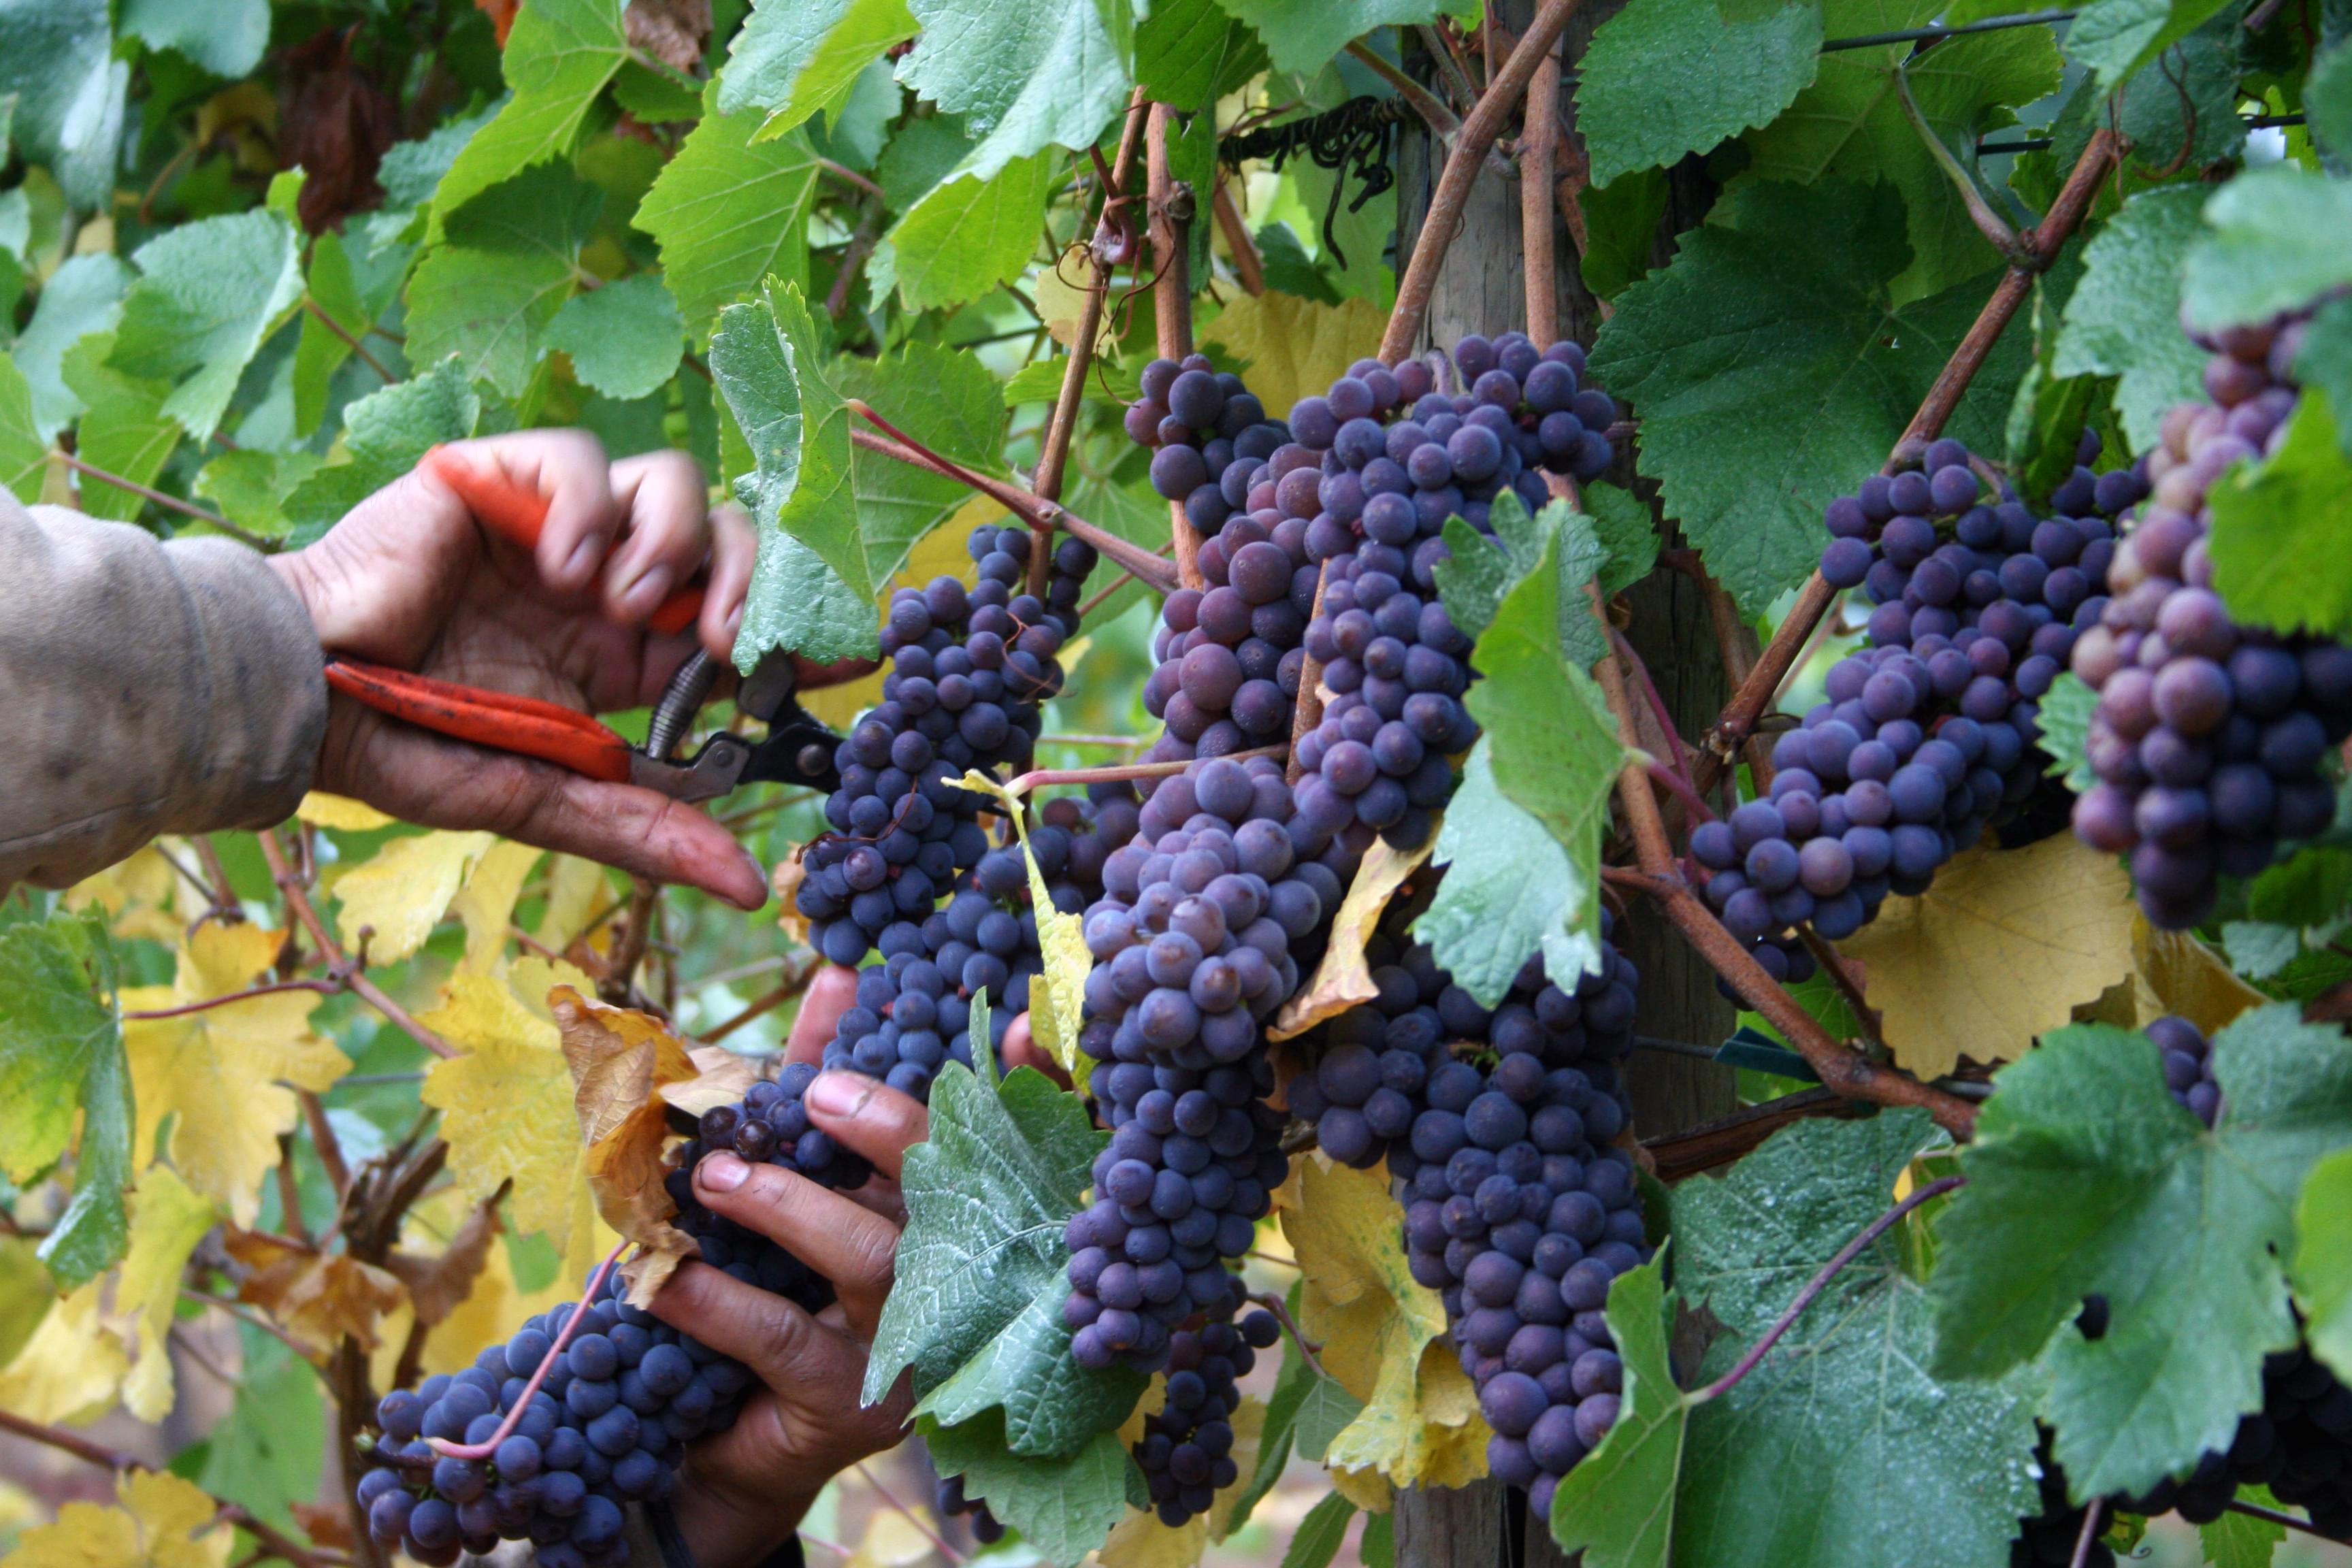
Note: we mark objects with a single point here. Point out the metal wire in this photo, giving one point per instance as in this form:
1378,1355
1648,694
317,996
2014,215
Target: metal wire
1922,34
2043,143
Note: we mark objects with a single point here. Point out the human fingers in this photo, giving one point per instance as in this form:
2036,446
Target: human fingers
434,782
733,548
1022,1050
666,533
868,1118
847,1243
568,471
833,993
841,672
787,1349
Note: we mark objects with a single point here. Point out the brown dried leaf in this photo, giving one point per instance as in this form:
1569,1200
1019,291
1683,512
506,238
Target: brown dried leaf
501,14
787,877
721,1077
1344,978
318,1298
438,1284
620,1061
339,123
672,31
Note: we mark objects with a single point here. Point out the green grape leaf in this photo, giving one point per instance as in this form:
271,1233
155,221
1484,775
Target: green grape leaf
269,1451
765,361
1620,228
123,427
225,36
1772,370
2124,317
510,261
977,1313
249,487
1190,53
794,58
57,60
2117,38
2323,1260
411,172
82,297
1513,891
1839,1439
1320,1534
1549,738
966,235
2086,1178
1025,74
2240,1539
61,1055
2325,362
1302,35
557,59
356,284
1482,570
2310,889
208,293
386,433
2065,725
729,213
2273,246
2266,515
2327,99
1617,1506
1849,125
626,340
1731,74
1063,1506
23,456
798,602
949,402
1627,535
920,155
2259,949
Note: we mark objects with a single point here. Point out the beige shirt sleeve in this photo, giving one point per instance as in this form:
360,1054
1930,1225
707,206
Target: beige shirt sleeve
145,688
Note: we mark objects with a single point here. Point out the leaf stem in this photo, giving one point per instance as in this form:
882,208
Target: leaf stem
912,1516
2256,1510
515,1412
1819,1282
323,988
850,176
168,502
1989,223
1281,1310
299,901
327,320
2090,1532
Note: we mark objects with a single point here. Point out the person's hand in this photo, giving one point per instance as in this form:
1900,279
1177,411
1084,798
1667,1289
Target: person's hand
834,991
742,1491
410,579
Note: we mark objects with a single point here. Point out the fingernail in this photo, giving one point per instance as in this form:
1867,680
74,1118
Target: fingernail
720,1173
647,591
841,1093
582,561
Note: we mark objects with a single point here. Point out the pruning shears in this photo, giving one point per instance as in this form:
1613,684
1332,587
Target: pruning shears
798,749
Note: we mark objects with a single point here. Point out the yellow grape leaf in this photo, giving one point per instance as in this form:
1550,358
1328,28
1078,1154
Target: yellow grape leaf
25,1295
720,1076
1062,290
491,1305
1140,1540
577,892
1368,1490
2173,972
786,880
1296,346
486,902
1249,1430
1382,1334
1344,978
892,1540
19,1509
140,896
222,1076
505,1104
404,891
70,1370
2003,947
161,1522
620,1060
341,813
437,1282
318,1298
1062,938
167,1219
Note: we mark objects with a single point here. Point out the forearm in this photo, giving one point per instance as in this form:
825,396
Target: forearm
150,689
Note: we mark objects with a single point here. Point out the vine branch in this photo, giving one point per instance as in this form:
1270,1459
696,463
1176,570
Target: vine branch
355,977
1169,203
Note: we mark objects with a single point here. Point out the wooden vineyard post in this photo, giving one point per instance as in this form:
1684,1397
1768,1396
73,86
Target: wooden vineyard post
1482,286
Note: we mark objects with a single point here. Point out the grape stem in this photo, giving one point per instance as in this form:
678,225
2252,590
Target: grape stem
353,973
912,1516
2090,1532
2275,1516
274,1542
1039,777
1817,1284
483,1450
1149,568
1309,712
1755,693
1281,1310
1838,1068
1479,129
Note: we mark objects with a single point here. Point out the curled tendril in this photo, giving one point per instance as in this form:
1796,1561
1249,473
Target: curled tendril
1358,138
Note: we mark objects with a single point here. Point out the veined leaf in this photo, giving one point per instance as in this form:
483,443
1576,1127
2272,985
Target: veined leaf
559,57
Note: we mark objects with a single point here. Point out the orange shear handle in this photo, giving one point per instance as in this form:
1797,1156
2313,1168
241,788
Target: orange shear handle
517,513
524,725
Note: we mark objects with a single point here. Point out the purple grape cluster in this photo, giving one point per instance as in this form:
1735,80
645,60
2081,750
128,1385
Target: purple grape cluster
2187,1066
969,670
1192,941
1519,1209
948,1501
603,1429
1925,738
2212,741
2047,1539
1208,435
1186,1451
